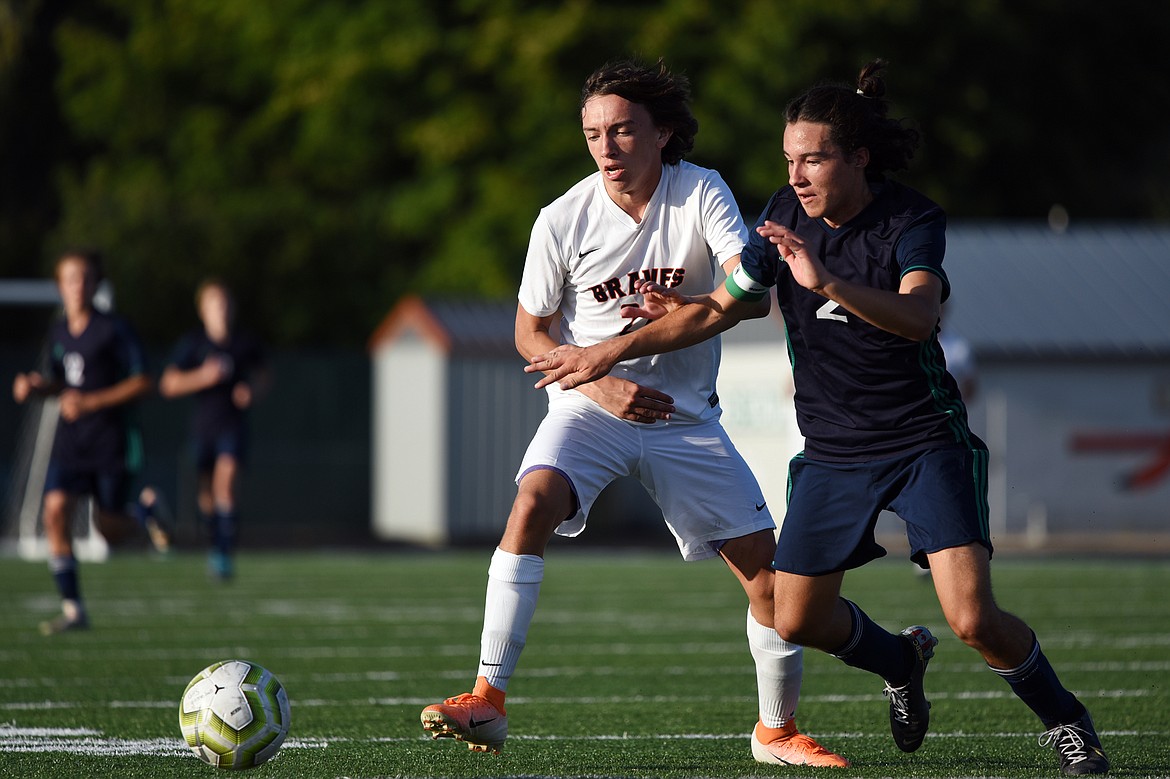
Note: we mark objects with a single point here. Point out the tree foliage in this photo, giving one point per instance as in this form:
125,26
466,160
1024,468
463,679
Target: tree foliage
326,157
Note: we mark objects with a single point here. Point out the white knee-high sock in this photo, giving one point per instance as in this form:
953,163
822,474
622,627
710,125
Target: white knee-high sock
512,590
779,668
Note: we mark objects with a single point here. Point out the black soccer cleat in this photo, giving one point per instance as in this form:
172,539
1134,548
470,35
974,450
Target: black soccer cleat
909,709
1077,747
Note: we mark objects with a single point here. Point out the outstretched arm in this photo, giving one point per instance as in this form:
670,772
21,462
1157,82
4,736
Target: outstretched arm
690,323
624,399
658,300
32,383
176,382
76,404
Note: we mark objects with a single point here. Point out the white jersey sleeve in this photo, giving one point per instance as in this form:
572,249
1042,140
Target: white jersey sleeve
545,270
722,223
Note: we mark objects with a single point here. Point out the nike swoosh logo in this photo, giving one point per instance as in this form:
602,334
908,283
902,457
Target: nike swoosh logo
760,507
474,723
587,251
490,665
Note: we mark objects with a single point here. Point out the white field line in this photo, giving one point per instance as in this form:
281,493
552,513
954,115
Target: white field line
606,671
559,700
736,647
1138,667
85,741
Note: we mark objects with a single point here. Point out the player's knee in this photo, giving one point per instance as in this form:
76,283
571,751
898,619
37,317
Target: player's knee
544,495
56,510
975,627
761,596
535,516
797,628
530,507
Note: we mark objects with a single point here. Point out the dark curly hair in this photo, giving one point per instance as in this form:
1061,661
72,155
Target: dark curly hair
665,95
857,119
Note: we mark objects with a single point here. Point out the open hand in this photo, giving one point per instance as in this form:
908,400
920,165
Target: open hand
25,384
571,366
73,405
657,301
808,271
627,400
214,370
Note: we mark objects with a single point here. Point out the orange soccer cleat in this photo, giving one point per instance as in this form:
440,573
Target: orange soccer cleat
794,748
468,718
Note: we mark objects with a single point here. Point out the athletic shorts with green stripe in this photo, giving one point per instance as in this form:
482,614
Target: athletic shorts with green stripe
940,493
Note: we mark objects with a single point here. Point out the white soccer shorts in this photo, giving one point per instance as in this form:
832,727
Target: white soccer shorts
693,472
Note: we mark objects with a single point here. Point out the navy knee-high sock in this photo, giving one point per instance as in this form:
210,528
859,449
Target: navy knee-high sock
64,570
225,531
1035,683
141,513
874,649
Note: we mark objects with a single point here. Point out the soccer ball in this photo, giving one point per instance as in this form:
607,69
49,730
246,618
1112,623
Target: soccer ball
234,714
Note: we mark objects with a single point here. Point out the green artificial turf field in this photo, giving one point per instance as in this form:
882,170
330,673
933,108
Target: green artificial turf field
636,666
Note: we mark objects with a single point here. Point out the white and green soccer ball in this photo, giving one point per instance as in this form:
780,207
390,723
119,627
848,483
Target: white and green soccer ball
234,714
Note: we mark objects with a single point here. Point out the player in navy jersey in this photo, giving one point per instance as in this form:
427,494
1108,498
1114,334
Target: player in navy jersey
97,370
856,260
225,368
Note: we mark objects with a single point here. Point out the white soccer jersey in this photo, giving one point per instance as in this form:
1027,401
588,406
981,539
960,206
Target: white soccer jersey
585,254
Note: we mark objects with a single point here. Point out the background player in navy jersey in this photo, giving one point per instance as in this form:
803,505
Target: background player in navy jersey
97,369
225,368
644,213
857,263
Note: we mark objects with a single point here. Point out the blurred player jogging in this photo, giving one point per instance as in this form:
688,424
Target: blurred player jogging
225,369
97,370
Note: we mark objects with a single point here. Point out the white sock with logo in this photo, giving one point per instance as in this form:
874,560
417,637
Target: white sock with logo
512,591
779,668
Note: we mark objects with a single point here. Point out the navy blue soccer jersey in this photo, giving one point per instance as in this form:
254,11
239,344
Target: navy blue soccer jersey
215,411
105,353
862,393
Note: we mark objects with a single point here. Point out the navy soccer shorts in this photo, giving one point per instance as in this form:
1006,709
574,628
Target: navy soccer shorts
208,448
941,495
109,487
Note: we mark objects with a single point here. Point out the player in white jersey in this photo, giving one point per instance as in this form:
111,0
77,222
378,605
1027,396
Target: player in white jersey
586,253
645,214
